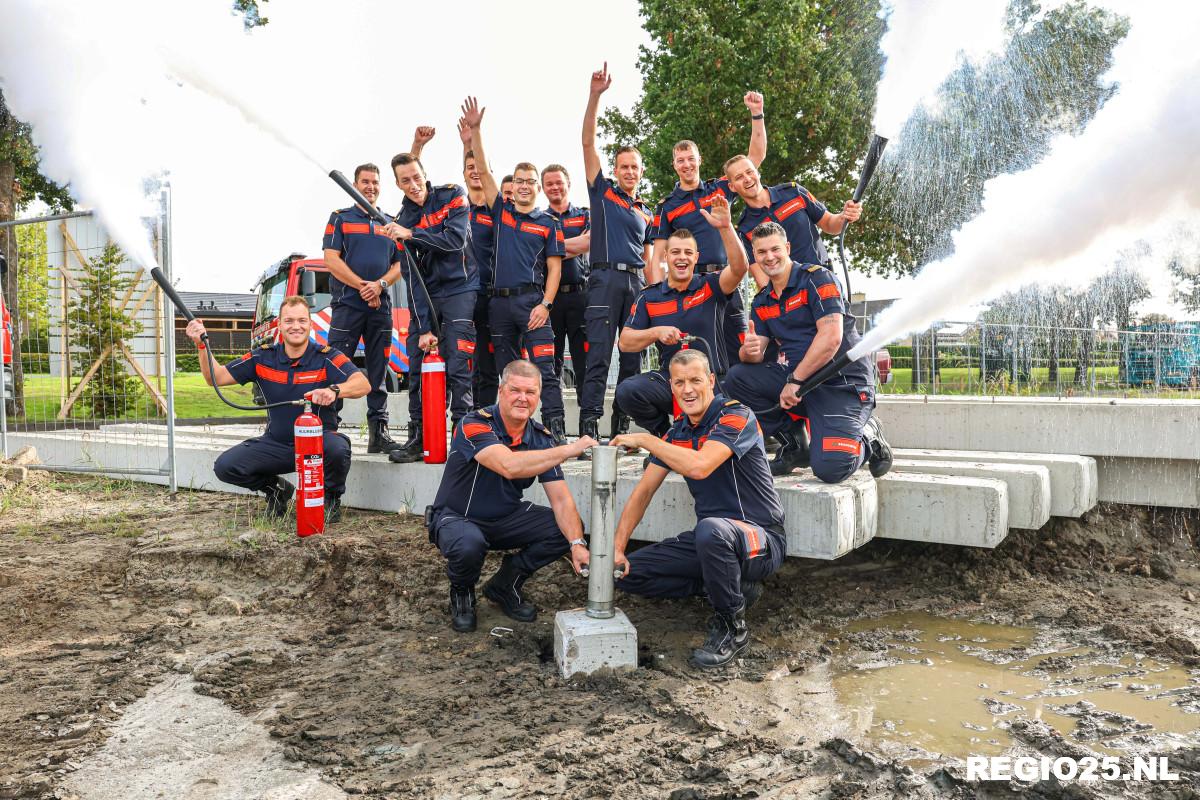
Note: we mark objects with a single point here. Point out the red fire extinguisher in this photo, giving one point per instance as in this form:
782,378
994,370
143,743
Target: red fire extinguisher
433,407
310,473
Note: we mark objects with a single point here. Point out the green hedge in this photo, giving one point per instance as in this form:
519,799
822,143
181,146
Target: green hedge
190,362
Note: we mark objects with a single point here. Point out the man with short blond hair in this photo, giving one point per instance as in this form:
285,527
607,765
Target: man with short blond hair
494,457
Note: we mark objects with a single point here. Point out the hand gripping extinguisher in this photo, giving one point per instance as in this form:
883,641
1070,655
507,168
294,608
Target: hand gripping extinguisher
310,473
433,407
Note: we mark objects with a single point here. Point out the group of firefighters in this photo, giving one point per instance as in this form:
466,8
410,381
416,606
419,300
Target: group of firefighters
499,288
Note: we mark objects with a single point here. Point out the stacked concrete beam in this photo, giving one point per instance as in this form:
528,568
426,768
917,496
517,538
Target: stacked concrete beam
1028,485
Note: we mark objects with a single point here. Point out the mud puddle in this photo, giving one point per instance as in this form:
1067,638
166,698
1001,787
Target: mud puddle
924,687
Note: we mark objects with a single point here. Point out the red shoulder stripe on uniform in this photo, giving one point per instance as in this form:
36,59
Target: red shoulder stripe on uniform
559,235
473,429
272,375
328,229
790,207
340,359
827,291
508,219
246,357
735,421
662,309
838,444
683,209
613,197
767,312
356,227
698,297
315,376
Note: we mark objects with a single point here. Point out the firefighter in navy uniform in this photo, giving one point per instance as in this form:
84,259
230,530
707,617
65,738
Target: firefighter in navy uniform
434,223
570,306
484,378
619,248
801,315
717,447
495,455
528,248
363,262
294,368
683,304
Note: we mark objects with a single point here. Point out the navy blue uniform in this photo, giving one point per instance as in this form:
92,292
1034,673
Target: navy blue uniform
255,463
441,244
570,304
739,518
836,410
370,253
477,510
788,200
485,379
697,311
620,231
681,210
521,244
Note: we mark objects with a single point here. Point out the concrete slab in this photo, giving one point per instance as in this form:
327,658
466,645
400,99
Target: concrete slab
1169,483
585,645
947,509
1073,481
1028,485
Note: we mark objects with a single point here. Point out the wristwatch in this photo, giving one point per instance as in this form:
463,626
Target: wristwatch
336,389
548,304
383,283
792,379
581,541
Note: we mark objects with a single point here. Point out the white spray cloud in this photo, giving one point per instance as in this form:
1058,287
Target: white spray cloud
923,42
1137,162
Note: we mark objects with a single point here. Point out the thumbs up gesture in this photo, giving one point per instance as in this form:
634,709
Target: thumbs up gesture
754,347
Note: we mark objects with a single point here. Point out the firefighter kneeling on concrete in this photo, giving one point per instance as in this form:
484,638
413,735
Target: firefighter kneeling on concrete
295,368
717,446
494,457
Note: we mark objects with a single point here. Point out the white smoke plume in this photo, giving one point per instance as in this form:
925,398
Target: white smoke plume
1137,162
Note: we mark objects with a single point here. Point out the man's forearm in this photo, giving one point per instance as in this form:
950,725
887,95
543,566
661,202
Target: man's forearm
567,517
819,353
634,341
578,245
631,517
553,277
531,463
757,151
341,270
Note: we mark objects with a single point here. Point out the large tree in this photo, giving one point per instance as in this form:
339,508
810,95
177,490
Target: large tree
987,119
817,63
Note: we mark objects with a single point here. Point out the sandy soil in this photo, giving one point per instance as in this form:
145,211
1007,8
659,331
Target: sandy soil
339,646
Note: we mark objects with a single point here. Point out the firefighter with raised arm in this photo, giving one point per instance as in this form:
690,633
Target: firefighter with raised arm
293,369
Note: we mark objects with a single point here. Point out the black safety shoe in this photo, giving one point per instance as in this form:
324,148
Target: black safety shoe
880,459
504,589
411,451
333,510
278,497
751,591
379,441
727,636
558,430
792,454
462,608
588,427
619,423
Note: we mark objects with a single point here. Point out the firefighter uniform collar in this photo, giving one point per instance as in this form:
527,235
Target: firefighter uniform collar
794,278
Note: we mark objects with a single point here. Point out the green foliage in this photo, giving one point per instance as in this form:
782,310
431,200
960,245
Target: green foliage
98,329
1186,272
250,9
989,119
33,281
816,63
17,147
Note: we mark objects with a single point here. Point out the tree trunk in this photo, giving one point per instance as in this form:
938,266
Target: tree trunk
1052,360
8,243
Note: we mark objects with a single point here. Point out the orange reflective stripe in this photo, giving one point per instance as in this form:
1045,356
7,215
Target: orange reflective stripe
356,227
473,429
560,236
484,219
612,196
508,219
790,207
340,359
539,230
838,444
735,421
272,375
543,350
662,309
682,442
698,298
827,291
316,376
796,301
328,229
574,222
466,346
767,312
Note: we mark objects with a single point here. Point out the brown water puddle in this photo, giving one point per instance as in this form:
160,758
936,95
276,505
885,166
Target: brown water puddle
930,686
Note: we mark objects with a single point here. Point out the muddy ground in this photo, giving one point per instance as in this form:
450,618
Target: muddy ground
340,645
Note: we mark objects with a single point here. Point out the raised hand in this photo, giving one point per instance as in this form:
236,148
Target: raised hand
718,214
423,134
472,114
601,80
464,132
754,102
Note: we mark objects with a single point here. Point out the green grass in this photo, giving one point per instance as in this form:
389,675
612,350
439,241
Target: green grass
956,380
193,399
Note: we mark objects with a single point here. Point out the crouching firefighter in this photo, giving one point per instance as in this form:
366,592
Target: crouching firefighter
293,369
717,446
495,454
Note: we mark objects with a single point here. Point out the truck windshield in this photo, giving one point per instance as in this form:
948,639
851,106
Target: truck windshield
270,297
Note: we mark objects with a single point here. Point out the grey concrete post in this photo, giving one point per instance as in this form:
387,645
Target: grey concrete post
603,532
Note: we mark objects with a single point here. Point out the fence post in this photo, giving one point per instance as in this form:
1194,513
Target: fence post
168,316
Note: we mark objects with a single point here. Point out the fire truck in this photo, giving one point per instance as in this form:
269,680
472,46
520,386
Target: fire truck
309,278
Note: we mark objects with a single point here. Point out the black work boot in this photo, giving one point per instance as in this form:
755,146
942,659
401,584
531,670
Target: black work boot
412,450
504,589
792,453
619,423
278,497
462,608
379,441
880,459
588,427
558,430
333,510
727,636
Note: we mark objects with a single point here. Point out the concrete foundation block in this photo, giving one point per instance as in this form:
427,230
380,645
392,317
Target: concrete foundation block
585,645
1170,483
1073,479
1028,485
946,509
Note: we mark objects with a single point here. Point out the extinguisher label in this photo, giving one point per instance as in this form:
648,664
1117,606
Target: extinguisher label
313,502
308,431
437,366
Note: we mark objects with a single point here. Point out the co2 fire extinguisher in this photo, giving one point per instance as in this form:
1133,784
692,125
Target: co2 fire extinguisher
310,473
433,407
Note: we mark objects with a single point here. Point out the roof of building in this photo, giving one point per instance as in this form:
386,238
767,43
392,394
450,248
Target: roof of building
233,304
